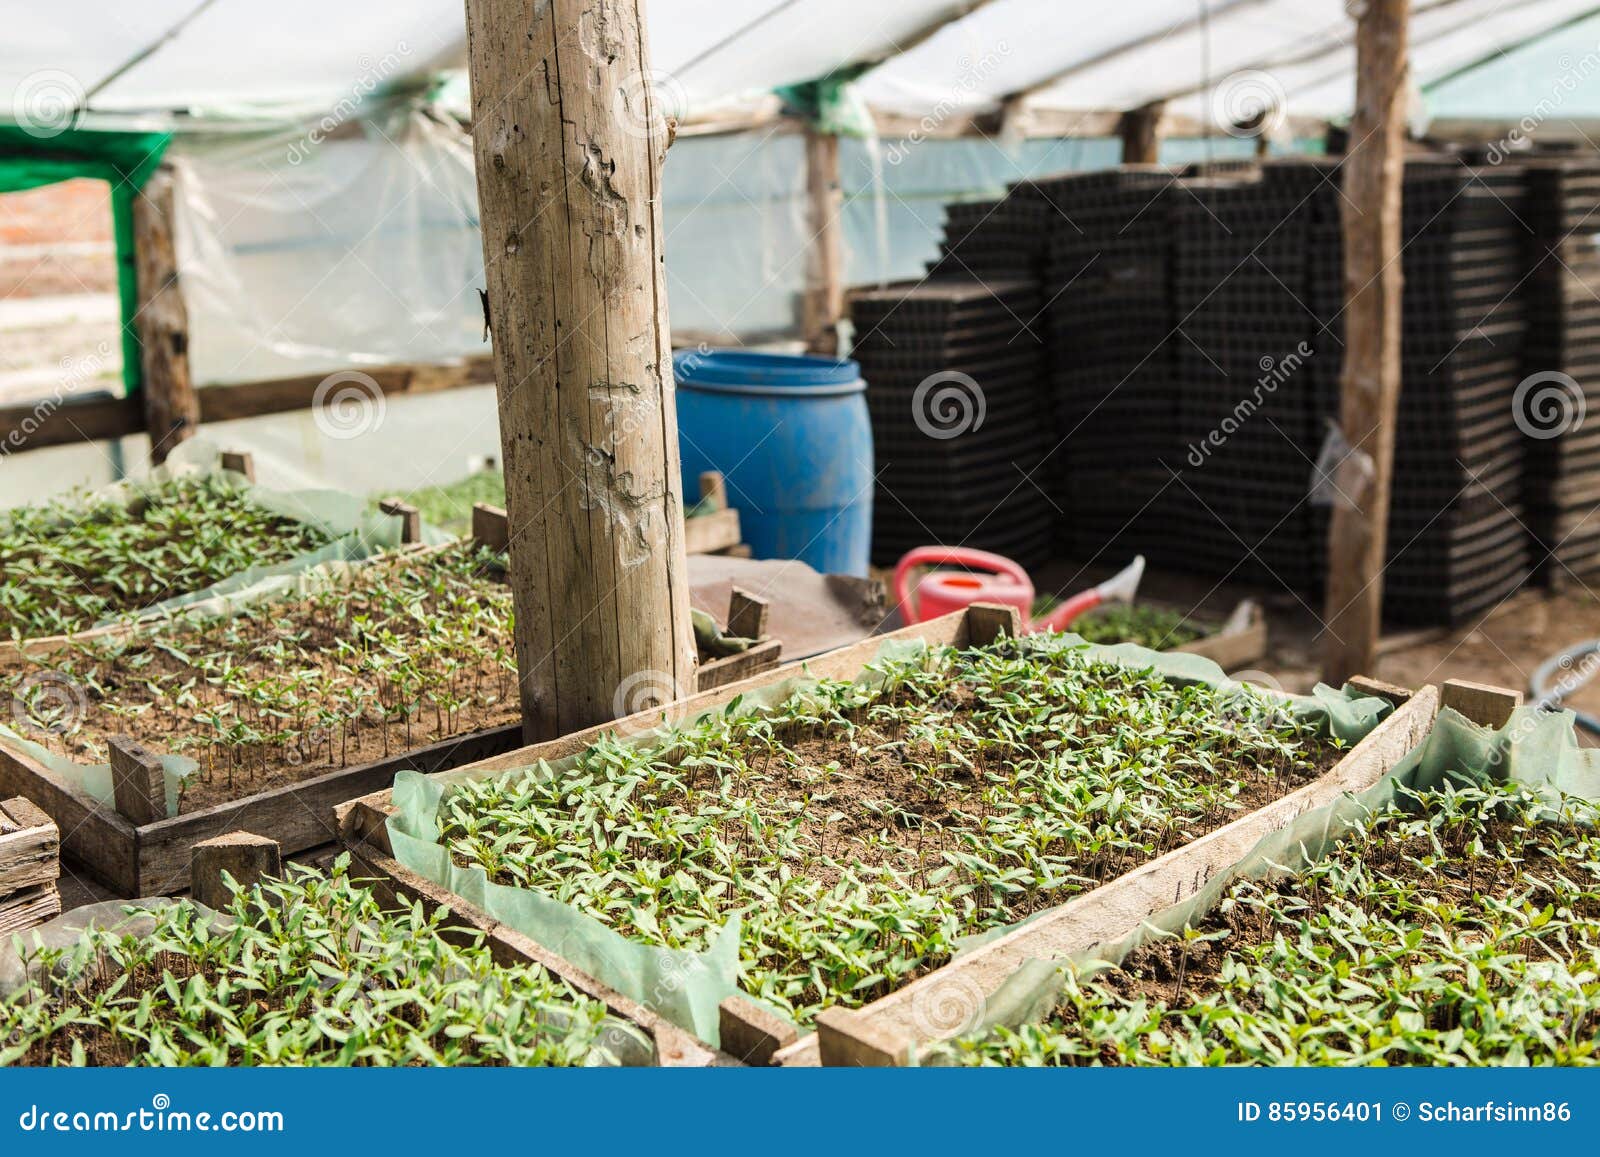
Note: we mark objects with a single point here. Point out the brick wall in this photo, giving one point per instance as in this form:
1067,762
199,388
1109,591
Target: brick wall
57,240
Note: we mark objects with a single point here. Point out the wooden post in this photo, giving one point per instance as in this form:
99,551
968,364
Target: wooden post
248,858
823,303
1370,388
569,145
410,519
1140,130
171,407
138,784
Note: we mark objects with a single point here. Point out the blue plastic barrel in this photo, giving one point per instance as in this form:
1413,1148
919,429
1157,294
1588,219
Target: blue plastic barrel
791,436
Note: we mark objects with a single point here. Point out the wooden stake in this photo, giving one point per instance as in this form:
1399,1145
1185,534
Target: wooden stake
171,407
240,462
1485,705
248,858
1141,134
490,527
747,615
1370,389
714,489
823,303
138,784
569,145
410,519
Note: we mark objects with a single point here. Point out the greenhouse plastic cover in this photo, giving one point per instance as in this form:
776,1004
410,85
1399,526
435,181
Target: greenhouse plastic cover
685,986
1536,748
161,56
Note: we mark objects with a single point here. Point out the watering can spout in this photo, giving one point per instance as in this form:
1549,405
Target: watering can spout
1123,586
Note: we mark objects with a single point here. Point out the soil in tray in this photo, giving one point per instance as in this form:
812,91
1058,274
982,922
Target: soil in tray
1460,928
308,971
861,832
72,563
399,653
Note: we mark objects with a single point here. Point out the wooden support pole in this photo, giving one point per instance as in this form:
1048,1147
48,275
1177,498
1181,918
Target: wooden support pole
138,784
569,144
1140,130
1370,388
823,303
248,858
240,462
410,519
171,406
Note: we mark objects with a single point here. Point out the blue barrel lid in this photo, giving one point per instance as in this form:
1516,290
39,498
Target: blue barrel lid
747,372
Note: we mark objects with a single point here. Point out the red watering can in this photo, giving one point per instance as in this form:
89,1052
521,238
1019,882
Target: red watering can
998,580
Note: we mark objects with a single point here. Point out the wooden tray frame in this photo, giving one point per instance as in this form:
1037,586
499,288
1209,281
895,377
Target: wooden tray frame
864,1036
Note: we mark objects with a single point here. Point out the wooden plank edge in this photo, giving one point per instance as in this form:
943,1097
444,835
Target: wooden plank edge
711,532
949,1000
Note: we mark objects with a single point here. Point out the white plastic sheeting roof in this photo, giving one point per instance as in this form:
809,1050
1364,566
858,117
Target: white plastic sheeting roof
293,57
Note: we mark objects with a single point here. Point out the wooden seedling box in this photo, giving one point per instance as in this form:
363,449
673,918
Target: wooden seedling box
135,857
887,1031
363,830
30,865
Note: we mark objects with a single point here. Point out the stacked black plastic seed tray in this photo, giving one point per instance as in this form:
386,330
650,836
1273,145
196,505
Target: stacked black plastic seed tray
959,426
1243,362
1109,315
1456,499
1562,487
995,239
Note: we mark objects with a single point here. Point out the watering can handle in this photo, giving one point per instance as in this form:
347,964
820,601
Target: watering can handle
946,556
